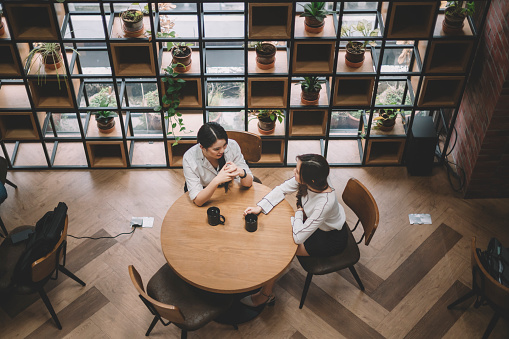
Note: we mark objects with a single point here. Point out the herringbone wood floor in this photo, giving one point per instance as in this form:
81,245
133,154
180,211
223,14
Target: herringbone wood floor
411,272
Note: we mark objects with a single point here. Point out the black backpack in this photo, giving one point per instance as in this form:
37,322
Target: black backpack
47,233
496,261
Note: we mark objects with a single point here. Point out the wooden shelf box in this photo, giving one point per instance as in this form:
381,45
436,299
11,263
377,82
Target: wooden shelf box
267,92
296,91
411,20
384,151
270,20
47,93
351,91
107,153
313,57
308,122
19,125
190,94
133,59
441,91
273,151
449,56
280,66
34,21
9,65
176,153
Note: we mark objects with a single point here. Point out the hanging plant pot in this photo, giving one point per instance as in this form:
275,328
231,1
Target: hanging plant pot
309,98
106,125
53,60
354,56
266,126
184,58
453,22
311,25
266,56
132,23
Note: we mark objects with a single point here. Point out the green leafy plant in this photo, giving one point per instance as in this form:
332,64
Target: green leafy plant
365,28
103,99
132,15
460,8
385,117
311,84
315,10
180,49
268,115
171,99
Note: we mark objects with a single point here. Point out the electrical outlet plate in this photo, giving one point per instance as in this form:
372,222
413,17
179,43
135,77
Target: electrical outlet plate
142,221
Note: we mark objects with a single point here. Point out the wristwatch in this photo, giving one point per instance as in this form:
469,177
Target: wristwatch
245,174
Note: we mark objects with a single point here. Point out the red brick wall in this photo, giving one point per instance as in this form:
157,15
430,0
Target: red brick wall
482,148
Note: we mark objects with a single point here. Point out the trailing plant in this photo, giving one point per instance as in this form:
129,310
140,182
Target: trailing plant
460,8
311,84
365,28
315,10
268,114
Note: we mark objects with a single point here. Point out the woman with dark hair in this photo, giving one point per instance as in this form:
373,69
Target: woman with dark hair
318,224
213,162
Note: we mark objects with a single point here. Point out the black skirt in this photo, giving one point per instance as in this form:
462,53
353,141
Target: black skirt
327,243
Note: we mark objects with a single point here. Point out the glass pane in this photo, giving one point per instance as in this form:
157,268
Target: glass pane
176,7
391,93
359,24
146,123
345,122
229,120
343,152
221,6
361,5
220,26
86,26
224,61
95,62
185,26
98,94
66,125
225,93
397,59
328,6
84,7
298,147
140,95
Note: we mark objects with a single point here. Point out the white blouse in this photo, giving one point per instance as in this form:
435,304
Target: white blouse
199,172
322,209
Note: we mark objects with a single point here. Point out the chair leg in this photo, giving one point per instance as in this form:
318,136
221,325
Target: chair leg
306,288
45,298
461,299
151,327
356,276
7,181
4,233
491,326
70,275
184,334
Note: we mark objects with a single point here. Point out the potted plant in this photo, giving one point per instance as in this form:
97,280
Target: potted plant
455,14
105,119
311,87
181,53
265,54
386,119
355,49
267,119
132,22
314,16
2,28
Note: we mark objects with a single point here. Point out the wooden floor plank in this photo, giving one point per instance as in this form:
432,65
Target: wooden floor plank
370,280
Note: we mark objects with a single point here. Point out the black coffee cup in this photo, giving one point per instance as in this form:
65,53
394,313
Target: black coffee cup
251,222
215,217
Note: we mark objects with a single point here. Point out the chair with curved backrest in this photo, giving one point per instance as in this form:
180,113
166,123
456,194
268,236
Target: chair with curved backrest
359,199
250,146
195,309
41,270
487,289
3,179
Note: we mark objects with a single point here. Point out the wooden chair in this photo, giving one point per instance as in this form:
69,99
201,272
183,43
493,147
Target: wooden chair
3,179
42,269
195,309
488,290
250,145
359,199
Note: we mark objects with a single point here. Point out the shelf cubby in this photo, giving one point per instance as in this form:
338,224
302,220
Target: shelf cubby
446,56
195,63
118,33
313,57
270,20
381,151
48,93
94,132
278,131
9,65
296,91
37,67
280,66
34,21
193,120
308,122
267,92
13,96
273,151
439,91
20,125
133,59
367,66
466,31
107,153
410,20
190,95
6,34
329,31
353,91
176,153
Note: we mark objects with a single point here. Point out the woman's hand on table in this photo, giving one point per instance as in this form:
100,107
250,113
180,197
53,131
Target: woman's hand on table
253,210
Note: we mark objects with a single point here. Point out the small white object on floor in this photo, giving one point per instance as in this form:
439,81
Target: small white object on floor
420,219
142,221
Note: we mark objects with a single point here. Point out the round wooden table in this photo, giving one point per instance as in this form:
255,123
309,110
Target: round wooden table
226,258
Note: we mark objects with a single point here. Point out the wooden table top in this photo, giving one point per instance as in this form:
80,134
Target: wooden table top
226,258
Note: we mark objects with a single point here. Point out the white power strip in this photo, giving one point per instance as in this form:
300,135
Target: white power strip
142,221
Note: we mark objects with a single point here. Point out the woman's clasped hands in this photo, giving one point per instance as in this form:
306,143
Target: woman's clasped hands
228,173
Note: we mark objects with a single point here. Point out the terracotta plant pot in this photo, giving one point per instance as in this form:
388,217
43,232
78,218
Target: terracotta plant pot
311,25
53,60
309,98
132,28
183,59
266,58
354,56
106,125
453,23
387,125
266,127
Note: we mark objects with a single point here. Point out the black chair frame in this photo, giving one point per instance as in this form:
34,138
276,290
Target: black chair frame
157,317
